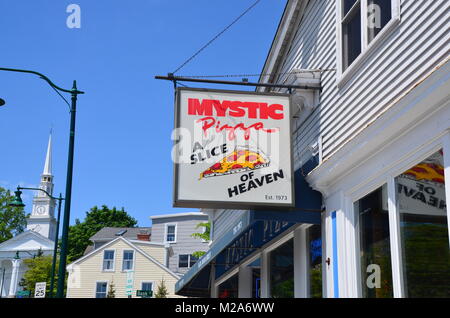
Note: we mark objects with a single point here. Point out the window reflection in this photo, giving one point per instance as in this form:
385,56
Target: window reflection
424,230
282,271
375,251
229,288
315,261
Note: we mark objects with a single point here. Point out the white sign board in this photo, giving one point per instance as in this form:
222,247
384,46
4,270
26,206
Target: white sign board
39,290
232,149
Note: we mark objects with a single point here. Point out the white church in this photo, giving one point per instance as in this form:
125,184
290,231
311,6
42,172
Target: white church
40,234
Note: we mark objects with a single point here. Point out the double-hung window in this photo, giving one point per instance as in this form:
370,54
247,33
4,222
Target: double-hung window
360,24
127,263
100,289
171,233
108,260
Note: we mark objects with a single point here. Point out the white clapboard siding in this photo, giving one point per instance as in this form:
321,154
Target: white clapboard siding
224,221
413,48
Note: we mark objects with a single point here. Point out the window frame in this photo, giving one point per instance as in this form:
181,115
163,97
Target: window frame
351,242
166,232
188,261
149,282
343,75
113,269
101,282
132,260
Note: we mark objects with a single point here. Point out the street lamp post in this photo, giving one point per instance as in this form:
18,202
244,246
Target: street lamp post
64,239
17,202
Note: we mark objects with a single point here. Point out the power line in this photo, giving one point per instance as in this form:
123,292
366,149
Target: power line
261,74
218,35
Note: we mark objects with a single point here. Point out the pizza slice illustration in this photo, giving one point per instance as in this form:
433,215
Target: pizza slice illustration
240,160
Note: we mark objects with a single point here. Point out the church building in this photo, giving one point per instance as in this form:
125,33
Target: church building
39,235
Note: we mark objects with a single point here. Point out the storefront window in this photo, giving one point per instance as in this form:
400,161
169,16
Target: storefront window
256,283
424,230
315,261
376,273
229,288
281,271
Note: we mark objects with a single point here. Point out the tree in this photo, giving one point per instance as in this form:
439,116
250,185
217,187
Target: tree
162,291
203,236
12,219
95,220
111,290
39,270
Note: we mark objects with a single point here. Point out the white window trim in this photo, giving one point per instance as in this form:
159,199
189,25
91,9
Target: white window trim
351,243
366,48
114,261
165,232
95,288
153,286
123,260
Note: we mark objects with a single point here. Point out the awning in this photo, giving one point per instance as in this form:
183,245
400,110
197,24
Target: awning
253,230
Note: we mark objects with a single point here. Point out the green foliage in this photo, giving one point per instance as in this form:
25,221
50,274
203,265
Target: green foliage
95,220
12,219
162,291
202,236
111,290
39,270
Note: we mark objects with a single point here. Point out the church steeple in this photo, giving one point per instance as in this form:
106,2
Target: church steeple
42,218
47,177
48,158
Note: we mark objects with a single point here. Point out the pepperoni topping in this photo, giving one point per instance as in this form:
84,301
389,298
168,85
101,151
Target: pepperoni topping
236,167
216,166
232,158
439,180
419,169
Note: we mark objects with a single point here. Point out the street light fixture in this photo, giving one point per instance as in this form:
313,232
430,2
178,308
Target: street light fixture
74,92
17,202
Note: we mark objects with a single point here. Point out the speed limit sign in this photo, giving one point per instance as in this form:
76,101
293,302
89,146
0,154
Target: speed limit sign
39,290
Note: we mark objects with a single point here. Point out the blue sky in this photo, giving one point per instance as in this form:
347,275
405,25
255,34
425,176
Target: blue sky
124,121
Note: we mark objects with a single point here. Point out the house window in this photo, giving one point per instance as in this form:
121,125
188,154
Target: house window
421,203
192,260
147,286
127,260
171,233
183,260
100,291
374,241
351,31
379,13
361,21
186,260
108,260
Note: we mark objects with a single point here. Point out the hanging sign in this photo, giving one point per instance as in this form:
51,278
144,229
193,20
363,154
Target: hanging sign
232,149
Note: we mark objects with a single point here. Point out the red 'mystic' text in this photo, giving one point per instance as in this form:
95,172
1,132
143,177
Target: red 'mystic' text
252,110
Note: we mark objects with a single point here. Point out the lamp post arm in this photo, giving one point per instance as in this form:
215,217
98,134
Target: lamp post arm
45,78
39,189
